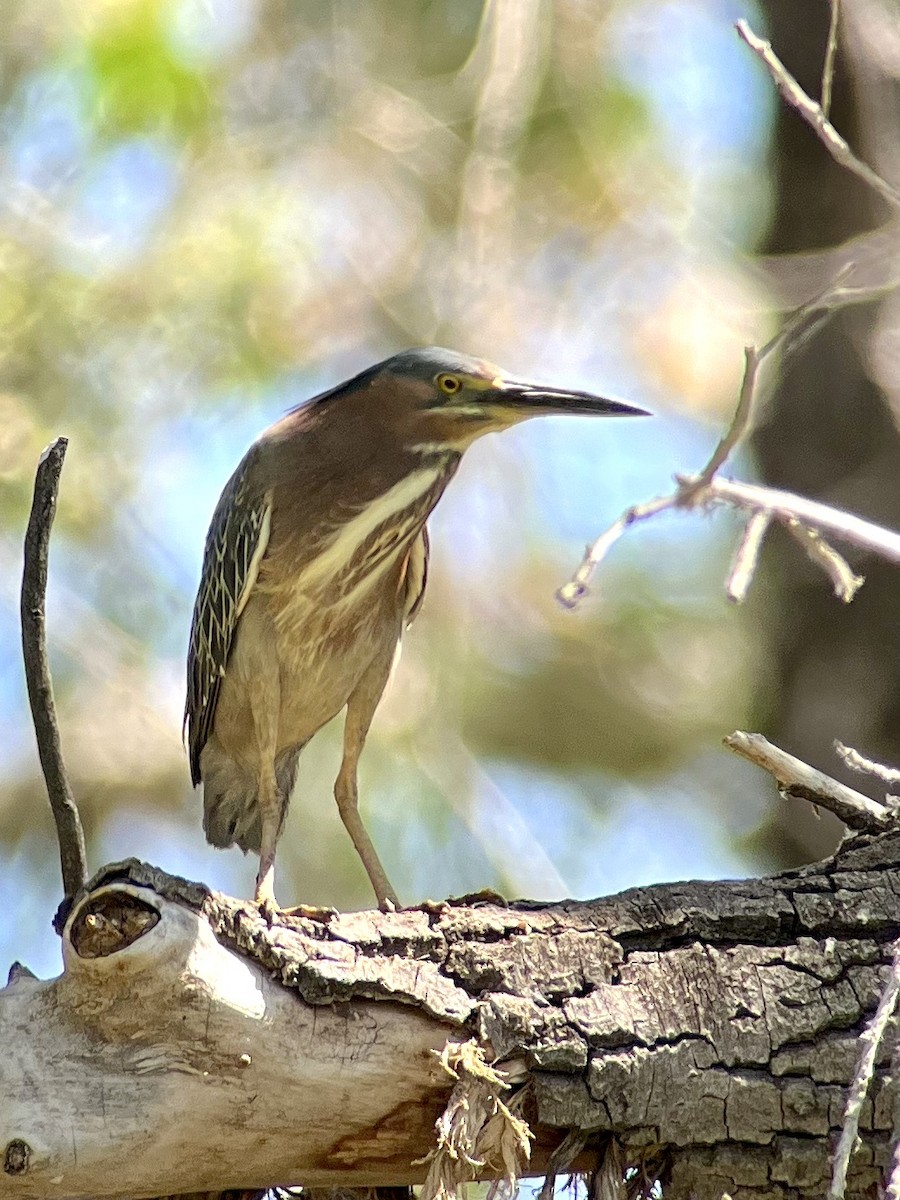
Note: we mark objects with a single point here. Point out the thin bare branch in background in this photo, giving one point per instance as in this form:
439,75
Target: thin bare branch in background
753,360
811,112
870,1040
746,557
855,761
786,507
830,52
892,1187
807,520
844,580
797,327
797,778
37,670
573,592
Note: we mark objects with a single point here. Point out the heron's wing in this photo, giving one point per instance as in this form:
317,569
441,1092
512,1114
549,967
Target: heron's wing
416,575
235,544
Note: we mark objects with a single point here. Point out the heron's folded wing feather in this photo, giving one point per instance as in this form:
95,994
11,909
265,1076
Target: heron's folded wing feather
235,544
416,575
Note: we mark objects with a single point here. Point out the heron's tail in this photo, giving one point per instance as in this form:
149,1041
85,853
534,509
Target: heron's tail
231,800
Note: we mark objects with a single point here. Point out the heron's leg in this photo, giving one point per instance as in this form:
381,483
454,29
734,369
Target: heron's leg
270,811
265,705
360,711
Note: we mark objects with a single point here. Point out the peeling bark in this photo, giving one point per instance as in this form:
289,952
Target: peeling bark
707,1030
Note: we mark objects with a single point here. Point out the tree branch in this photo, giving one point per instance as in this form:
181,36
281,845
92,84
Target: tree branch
806,520
854,761
698,1034
830,52
814,115
785,507
37,670
746,557
797,778
870,1042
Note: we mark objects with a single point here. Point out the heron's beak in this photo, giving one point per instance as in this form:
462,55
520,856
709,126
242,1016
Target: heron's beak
534,400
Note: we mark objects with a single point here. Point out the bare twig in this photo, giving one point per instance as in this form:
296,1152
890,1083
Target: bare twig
37,670
844,581
753,360
746,557
796,778
866,766
785,507
870,1040
571,593
830,52
811,112
892,1190
807,520
794,331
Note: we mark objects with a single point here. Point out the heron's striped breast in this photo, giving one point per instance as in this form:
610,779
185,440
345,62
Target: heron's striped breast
359,551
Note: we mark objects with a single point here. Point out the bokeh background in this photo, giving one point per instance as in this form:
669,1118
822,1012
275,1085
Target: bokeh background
211,209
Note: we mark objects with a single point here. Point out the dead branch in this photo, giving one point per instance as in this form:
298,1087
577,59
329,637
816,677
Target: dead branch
37,669
869,1041
806,520
830,53
854,761
785,507
814,114
746,557
797,778
795,330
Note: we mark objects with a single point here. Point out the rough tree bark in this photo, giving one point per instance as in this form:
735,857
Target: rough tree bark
703,1033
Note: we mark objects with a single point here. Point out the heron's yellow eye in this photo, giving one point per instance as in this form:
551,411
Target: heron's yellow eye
448,383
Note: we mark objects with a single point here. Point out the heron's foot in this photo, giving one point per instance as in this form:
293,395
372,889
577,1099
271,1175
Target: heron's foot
311,912
264,896
470,900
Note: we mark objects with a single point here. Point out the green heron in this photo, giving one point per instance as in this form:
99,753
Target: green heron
315,562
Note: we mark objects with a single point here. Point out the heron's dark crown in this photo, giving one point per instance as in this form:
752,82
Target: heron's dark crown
428,361
420,364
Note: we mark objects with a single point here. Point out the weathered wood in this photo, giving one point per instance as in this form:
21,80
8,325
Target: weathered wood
710,1028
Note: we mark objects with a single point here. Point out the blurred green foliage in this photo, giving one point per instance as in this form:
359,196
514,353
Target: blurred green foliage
138,84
